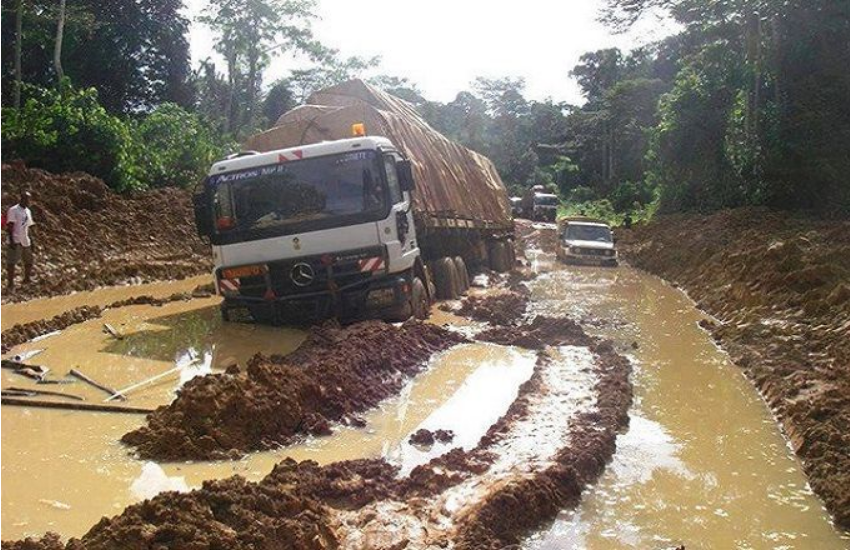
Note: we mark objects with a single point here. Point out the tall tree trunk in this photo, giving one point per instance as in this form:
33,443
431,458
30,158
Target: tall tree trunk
57,51
19,18
231,89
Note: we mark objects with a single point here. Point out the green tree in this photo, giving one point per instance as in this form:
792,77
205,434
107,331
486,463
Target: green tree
69,131
178,148
248,34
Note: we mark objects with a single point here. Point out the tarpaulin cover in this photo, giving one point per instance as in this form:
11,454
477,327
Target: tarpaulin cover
451,181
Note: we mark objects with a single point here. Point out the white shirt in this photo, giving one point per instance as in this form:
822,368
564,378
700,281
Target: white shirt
21,217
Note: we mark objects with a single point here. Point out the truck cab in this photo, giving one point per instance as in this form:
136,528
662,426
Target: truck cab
317,231
545,207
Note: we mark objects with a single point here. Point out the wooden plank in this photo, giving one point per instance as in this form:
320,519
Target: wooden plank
46,392
93,407
112,393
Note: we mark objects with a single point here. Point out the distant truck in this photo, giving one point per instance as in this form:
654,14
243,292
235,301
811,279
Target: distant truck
352,207
538,205
586,241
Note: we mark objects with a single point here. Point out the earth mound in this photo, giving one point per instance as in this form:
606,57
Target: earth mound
336,373
88,236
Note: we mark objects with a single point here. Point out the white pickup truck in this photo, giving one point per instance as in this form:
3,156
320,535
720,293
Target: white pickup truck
586,242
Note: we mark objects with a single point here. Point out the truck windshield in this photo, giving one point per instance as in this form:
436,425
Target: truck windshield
588,233
546,200
343,185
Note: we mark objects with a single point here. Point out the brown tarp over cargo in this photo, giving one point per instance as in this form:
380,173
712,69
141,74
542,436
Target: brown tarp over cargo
453,182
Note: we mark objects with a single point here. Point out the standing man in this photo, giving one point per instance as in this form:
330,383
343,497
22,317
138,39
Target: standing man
18,223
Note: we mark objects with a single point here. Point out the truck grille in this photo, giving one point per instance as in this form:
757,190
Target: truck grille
593,251
313,274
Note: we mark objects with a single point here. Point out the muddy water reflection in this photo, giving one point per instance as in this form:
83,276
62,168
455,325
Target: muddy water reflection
703,464
63,471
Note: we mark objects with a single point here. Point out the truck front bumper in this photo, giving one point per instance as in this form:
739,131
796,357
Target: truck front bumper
374,298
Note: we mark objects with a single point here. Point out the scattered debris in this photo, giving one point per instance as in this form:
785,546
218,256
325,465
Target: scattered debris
112,331
77,374
122,394
33,392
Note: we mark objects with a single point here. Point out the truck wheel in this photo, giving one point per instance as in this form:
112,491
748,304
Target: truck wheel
462,273
511,250
419,299
445,277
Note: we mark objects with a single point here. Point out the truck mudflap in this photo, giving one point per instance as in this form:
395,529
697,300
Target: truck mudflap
376,298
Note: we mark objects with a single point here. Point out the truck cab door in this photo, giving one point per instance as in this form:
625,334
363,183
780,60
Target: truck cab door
396,231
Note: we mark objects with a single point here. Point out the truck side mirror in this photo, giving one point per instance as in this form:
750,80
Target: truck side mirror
405,175
203,217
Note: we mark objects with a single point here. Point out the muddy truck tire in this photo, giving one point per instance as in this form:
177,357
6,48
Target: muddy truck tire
445,279
419,299
499,257
462,274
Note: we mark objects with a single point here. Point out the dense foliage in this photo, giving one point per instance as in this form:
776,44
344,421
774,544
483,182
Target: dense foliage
69,130
747,105
136,54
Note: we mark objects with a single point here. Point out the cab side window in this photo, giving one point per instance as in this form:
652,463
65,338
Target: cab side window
392,179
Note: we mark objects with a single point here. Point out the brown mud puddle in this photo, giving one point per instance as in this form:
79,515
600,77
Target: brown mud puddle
63,470
703,463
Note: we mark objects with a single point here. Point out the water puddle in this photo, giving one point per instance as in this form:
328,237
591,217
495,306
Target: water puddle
64,470
703,464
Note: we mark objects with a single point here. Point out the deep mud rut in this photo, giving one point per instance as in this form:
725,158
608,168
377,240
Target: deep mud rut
535,409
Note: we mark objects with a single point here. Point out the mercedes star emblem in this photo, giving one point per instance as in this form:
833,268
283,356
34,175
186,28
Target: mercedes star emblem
302,274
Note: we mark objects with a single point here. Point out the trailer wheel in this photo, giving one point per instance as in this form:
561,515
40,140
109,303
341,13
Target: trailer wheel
499,259
419,299
445,278
462,274
511,254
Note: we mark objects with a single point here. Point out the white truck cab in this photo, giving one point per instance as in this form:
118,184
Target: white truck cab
315,231
586,242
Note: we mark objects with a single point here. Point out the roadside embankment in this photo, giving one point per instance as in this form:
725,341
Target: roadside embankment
779,285
87,236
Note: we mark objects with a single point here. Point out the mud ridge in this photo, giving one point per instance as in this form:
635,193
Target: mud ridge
88,236
337,372
779,285
24,332
541,332
504,308
517,508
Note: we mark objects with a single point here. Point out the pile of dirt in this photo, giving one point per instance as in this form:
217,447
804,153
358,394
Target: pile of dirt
337,372
24,332
504,308
426,438
541,332
87,236
780,286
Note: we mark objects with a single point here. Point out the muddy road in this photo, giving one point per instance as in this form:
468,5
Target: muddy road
702,462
